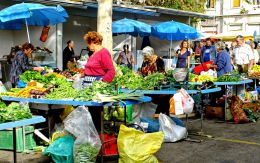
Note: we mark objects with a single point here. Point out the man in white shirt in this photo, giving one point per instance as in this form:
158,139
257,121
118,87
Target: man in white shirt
244,56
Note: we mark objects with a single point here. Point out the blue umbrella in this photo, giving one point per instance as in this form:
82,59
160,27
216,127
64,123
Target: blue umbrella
9,26
172,30
33,14
131,27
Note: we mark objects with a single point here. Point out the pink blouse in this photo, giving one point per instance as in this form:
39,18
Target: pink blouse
101,64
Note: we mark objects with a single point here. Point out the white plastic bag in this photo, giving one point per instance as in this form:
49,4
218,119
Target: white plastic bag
179,108
171,131
187,101
79,123
143,110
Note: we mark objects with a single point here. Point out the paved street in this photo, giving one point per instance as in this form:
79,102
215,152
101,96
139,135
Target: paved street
233,143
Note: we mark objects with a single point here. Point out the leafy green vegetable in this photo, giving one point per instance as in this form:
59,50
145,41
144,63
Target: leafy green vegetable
86,153
229,78
90,92
14,112
64,91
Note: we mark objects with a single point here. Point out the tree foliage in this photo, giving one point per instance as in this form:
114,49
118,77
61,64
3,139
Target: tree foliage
187,5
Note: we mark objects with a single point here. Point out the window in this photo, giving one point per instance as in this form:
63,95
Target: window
236,3
210,4
256,2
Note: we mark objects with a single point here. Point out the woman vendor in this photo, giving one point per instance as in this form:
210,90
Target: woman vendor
152,64
20,63
100,64
98,67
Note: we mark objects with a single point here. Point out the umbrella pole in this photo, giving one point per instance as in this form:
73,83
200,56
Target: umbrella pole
27,30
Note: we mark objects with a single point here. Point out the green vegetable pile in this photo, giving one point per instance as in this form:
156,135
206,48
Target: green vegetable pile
129,79
27,76
86,153
90,92
229,78
63,91
14,112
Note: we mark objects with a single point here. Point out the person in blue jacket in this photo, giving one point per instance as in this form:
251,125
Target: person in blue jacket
208,52
223,62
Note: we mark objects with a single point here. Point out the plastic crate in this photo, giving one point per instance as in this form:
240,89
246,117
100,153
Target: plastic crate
6,137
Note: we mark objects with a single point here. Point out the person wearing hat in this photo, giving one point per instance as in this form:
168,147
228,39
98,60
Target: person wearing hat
223,62
152,63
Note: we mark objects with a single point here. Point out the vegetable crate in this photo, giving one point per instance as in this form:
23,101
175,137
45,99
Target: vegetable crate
6,137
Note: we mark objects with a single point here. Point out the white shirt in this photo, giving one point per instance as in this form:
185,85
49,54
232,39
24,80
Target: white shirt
256,55
243,54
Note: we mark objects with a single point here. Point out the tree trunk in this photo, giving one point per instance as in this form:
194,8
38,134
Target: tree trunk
104,22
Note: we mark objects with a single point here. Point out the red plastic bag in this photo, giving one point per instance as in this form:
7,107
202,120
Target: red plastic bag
110,145
45,32
202,67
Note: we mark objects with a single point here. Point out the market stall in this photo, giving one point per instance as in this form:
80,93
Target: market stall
15,124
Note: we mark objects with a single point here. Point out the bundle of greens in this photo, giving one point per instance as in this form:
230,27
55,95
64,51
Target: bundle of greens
28,76
132,80
229,78
89,93
86,153
63,91
14,112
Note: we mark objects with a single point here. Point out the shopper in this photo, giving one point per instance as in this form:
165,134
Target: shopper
244,57
183,55
223,62
68,54
126,57
20,63
100,64
255,52
152,63
208,52
198,49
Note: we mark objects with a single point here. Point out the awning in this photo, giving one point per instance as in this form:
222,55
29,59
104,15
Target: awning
169,11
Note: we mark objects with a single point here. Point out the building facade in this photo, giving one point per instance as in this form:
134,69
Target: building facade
232,15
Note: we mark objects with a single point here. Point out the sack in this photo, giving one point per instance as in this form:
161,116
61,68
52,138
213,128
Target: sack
137,147
45,32
87,144
171,131
183,103
187,101
109,145
237,110
61,150
154,126
143,110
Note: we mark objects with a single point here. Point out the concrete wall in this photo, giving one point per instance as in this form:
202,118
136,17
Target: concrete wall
6,42
75,28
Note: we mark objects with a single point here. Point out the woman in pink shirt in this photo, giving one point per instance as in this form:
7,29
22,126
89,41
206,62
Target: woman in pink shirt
100,64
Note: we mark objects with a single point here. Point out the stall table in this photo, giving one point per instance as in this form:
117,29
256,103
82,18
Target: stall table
78,103
227,84
25,122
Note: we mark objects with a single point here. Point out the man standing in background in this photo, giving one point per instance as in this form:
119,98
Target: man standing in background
244,57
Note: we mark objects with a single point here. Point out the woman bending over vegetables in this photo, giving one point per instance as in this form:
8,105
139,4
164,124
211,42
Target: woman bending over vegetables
152,64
